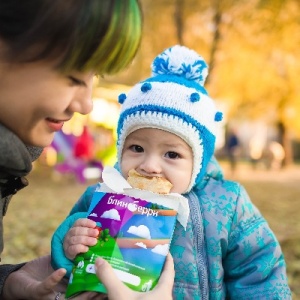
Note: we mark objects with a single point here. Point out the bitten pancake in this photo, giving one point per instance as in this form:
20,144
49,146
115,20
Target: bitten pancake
157,185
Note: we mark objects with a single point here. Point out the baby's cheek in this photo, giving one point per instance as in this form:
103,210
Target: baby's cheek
180,185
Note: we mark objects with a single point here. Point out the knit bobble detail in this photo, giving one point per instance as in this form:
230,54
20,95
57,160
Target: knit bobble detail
218,116
194,97
146,87
122,98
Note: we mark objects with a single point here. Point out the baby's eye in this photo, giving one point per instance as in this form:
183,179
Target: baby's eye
172,155
136,148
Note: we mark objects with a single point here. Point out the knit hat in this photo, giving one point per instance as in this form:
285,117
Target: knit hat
174,100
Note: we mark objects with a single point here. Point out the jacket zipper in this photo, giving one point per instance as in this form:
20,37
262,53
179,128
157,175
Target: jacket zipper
198,229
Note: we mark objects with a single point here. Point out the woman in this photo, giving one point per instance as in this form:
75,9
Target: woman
50,51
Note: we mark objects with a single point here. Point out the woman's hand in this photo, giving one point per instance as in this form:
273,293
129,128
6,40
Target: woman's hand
38,281
35,280
118,291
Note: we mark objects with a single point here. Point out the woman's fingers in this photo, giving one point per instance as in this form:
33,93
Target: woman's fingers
105,273
168,274
116,289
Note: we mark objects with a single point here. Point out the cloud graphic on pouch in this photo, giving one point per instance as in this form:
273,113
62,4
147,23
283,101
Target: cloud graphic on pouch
141,231
161,249
93,215
111,214
142,245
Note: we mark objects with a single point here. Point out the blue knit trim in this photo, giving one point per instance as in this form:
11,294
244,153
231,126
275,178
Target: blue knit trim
139,109
208,139
179,80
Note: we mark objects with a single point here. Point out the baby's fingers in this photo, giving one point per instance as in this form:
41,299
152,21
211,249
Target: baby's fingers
85,222
80,237
83,227
74,245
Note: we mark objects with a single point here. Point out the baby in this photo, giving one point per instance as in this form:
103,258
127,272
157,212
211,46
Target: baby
167,129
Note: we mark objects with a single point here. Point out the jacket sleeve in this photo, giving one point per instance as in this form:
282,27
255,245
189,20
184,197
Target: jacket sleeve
79,210
5,271
254,265
83,203
58,258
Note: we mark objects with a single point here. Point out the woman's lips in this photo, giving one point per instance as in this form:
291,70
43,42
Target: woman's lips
55,125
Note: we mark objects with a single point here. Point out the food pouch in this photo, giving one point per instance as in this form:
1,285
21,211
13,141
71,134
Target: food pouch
135,231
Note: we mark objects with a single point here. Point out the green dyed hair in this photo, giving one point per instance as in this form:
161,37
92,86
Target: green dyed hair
98,35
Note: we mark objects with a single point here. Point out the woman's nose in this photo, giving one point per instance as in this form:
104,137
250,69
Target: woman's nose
82,100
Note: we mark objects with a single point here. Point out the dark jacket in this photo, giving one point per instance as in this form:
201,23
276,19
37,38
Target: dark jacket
15,163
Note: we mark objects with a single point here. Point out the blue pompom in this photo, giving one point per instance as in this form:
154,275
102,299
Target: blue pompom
181,61
218,116
194,97
146,87
122,97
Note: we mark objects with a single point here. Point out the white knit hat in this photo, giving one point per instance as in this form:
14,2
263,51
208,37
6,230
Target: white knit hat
174,100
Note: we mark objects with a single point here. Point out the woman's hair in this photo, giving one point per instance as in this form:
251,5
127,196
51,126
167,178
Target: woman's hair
98,35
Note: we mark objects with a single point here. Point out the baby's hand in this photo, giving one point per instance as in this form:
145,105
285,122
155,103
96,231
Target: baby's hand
78,239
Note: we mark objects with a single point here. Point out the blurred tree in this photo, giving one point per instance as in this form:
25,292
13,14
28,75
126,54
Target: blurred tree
260,53
178,16
251,47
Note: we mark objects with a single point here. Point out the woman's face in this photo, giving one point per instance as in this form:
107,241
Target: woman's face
36,100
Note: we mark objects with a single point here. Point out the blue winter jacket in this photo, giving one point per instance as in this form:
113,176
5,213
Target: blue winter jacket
227,251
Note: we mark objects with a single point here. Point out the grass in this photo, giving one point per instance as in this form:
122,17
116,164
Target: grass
36,211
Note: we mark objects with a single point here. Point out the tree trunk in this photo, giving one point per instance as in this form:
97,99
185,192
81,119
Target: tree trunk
178,16
285,140
216,38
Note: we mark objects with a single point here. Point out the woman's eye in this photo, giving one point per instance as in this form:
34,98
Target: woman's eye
172,155
136,148
76,81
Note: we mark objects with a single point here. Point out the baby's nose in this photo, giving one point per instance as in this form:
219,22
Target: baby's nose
151,166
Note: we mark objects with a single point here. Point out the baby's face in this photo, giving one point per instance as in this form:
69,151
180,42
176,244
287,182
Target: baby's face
155,152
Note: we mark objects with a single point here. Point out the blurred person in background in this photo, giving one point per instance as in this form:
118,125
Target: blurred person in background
278,155
232,147
274,155
84,147
256,147
50,51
